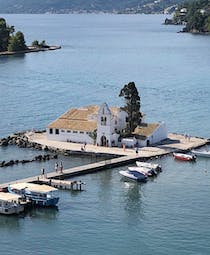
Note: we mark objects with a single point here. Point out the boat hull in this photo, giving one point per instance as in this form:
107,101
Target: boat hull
12,210
39,202
138,177
184,157
205,154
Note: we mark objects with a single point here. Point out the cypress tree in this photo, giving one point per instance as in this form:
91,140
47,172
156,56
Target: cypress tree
132,105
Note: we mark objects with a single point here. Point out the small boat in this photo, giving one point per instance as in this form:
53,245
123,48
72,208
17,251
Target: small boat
10,203
205,154
41,195
184,157
156,167
145,170
134,175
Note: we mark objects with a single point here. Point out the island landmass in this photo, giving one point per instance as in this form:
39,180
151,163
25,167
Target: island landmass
14,43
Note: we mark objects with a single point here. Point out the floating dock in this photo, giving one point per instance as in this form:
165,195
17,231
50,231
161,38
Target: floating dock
62,184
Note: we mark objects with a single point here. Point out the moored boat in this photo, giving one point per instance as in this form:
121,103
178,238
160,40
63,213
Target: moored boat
10,203
145,170
156,167
184,157
134,175
41,195
205,154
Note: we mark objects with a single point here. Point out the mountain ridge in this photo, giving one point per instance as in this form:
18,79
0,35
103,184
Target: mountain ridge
71,6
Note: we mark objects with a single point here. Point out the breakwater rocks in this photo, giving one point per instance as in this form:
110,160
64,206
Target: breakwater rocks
20,140
36,158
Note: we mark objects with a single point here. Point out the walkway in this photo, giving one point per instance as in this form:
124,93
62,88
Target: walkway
174,143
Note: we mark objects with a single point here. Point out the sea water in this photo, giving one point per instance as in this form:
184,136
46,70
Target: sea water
99,54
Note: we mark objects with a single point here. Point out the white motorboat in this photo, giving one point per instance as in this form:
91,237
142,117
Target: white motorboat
205,153
134,175
10,203
42,195
184,157
156,167
145,170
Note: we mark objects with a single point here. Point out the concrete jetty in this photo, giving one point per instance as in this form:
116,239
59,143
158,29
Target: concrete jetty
175,142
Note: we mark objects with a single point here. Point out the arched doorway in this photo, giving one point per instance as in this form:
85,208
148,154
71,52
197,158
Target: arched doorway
103,141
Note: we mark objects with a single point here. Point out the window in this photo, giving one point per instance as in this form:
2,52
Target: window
81,132
103,121
68,131
51,131
62,130
75,132
57,131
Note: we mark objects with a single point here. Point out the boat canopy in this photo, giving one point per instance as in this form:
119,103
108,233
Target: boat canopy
33,187
9,197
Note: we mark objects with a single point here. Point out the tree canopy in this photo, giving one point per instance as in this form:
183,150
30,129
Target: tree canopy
132,105
17,42
9,41
5,32
196,16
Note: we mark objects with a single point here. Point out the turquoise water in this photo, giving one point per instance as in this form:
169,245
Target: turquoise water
100,53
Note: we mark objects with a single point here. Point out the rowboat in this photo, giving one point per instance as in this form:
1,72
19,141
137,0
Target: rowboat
184,157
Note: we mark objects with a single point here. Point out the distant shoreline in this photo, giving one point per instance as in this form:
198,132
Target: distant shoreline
29,49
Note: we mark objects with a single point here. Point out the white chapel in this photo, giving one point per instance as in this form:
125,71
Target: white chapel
102,125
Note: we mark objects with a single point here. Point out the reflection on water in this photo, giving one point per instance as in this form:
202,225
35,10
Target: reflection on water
46,213
43,213
10,222
133,204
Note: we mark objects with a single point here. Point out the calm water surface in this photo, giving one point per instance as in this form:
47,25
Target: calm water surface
100,53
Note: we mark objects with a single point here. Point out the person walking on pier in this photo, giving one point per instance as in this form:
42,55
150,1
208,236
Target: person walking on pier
61,167
56,167
43,172
137,151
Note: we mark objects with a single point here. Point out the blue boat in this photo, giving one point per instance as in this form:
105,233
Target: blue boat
40,195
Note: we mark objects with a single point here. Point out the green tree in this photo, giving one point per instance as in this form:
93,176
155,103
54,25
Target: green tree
132,105
17,42
35,43
5,32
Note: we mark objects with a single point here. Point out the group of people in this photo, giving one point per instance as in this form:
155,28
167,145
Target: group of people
58,168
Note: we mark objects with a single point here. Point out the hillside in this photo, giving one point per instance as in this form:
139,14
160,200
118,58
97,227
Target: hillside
194,15
70,6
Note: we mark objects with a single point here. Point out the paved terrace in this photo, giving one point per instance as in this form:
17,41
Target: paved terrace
173,143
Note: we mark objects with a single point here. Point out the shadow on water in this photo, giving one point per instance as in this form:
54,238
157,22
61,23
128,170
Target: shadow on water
8,58
10,221
46,213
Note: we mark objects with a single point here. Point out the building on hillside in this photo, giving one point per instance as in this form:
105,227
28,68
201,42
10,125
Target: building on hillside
101,125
